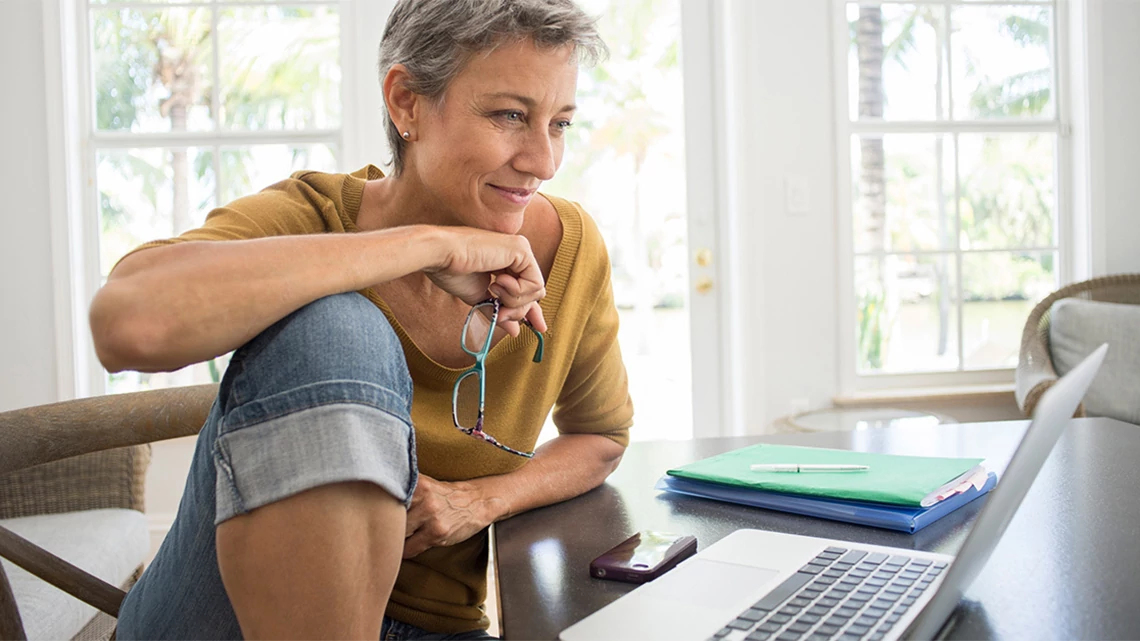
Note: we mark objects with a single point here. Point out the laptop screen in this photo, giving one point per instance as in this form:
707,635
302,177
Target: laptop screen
1049,420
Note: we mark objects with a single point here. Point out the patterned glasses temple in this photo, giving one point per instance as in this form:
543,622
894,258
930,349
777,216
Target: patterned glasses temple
478,433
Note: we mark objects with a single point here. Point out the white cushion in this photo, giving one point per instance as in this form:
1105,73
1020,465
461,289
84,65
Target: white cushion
111,544
1076,328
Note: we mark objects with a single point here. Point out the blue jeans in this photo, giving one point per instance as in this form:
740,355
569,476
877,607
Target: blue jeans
322,396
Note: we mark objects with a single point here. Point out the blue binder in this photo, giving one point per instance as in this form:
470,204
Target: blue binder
891,517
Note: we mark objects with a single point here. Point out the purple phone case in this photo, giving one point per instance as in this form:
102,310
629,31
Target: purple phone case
619,564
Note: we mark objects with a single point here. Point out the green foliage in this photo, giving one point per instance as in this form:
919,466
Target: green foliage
633,124
1002,276
1025,94
123,67
871,337
903,44
1021,95
1030,31
270,91
1007,198
141,167
149,60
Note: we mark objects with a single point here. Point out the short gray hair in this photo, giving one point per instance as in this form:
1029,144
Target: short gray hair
434,39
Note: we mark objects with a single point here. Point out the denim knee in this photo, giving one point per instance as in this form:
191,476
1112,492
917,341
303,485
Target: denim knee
337,338
322,396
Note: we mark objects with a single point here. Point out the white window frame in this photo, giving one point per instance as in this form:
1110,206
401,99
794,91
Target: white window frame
74,143
853,383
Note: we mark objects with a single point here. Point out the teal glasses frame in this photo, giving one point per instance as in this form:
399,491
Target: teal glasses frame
479,369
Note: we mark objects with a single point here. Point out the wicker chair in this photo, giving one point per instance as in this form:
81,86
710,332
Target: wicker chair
1035,371
81,455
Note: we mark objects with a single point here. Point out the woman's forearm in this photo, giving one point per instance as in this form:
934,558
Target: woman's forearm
563,468
167,307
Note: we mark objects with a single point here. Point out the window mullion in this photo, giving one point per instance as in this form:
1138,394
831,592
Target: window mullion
197,4
191,139
958,126
216,73
959,279
948,29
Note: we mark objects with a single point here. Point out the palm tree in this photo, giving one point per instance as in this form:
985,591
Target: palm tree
182,45
872,313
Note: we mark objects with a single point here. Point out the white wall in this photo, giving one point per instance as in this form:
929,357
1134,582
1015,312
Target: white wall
790,285
1121,109
27,332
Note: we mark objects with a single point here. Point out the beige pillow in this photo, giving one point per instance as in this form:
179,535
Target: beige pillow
1076,328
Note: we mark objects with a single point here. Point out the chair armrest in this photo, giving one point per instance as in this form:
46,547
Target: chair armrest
37,435
63,575
1035,372
11,627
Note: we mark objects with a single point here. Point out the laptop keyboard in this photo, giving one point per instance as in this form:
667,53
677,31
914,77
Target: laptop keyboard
840,594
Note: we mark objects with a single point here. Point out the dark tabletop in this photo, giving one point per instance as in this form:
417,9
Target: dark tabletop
1068,566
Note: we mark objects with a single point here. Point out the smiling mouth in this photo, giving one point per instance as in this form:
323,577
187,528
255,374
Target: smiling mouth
514,195
521,193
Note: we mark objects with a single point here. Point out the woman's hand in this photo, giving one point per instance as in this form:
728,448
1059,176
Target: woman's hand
444,514
477,262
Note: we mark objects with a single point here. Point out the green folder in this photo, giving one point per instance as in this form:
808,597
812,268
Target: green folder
893,479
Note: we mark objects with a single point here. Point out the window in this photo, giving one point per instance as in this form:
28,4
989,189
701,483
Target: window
193,105
950,166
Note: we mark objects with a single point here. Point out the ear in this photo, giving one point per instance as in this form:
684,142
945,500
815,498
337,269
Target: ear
403,103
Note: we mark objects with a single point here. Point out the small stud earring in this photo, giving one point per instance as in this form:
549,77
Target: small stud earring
407,135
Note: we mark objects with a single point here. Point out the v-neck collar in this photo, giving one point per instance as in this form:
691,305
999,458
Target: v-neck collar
352,195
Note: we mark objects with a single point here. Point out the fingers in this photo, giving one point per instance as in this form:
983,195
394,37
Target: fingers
518,300
416,511
513,292
510,318
419,514
426,527
415,545
535,318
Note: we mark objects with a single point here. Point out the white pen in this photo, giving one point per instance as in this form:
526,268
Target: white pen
807,467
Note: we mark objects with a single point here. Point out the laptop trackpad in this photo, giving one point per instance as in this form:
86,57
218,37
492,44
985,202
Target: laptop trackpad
710,584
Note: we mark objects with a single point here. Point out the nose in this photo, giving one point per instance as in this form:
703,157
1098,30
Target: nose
539,155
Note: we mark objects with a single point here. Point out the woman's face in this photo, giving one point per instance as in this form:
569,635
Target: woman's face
497,135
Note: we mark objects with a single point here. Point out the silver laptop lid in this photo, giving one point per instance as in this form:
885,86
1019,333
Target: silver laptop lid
1053,412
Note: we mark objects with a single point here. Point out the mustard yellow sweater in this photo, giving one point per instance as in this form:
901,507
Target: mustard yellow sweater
581,376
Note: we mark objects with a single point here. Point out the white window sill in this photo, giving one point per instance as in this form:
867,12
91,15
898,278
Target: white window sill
880,397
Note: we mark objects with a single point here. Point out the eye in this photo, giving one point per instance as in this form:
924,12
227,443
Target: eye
562,126
511,116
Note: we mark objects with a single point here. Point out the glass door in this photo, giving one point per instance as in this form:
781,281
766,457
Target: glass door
626,164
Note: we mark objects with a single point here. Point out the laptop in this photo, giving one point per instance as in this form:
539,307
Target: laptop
755,585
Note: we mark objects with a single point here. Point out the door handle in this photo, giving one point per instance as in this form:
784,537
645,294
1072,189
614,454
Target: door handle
704,257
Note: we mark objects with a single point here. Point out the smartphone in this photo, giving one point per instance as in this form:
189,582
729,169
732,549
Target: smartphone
643,557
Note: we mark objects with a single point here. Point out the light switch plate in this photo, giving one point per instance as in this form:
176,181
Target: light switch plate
797,198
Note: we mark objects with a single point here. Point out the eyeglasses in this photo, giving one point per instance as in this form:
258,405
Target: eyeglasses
471,386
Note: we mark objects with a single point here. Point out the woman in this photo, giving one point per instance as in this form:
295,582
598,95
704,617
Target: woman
314,508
